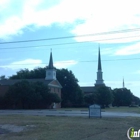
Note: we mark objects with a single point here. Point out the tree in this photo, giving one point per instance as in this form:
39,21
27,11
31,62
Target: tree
90,99
52,98
19,94
2,77
46,97
71,92
33,74
25,94
103,96
135,100
122,97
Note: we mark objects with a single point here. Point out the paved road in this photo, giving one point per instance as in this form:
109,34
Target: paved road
65,113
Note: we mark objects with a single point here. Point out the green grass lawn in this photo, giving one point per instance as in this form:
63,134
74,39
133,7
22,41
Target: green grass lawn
123,109
111,109
69,128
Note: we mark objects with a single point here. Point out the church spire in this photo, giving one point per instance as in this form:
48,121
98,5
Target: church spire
123,83
99,60
99,81
51,70
51,62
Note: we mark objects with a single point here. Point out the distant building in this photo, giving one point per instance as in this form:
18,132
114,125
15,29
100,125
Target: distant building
50,80
99,81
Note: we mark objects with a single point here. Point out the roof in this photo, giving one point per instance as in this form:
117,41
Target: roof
88,89
48,82
55,83
91,89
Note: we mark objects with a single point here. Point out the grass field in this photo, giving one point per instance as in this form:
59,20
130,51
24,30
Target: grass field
123,109
68,128
111,109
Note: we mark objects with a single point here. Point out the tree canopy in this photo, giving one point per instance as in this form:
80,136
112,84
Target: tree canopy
71,93
28,95
103,96
122,97
30,74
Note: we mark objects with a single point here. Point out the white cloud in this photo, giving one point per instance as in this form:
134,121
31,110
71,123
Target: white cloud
130,50
32,63
65,64
136,72
107,51
109,16
27,63
98,16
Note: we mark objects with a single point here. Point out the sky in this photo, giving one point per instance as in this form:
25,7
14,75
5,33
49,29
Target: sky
73,29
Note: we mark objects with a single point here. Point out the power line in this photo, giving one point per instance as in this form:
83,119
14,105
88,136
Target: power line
65,37
69,43
84,61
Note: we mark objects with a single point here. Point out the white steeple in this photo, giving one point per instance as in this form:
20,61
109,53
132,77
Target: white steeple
51,70
99,80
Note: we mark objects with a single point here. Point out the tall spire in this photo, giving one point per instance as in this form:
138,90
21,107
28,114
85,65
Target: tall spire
51,70
99,60
51,61
123,83
99,81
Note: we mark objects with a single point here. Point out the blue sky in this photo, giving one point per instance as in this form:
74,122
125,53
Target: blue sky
41,19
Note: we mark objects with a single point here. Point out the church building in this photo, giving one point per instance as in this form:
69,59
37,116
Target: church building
99,81
50,80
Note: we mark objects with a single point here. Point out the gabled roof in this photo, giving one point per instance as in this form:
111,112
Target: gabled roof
55,83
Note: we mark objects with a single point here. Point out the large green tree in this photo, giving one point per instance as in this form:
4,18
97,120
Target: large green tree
122,97
89,99
30,74
25,94
2,77
103,96
71,92
135,100
19,94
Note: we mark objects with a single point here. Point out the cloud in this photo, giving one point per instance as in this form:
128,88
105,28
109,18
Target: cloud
106,17
65,64
107,51
32,63
136,72
130,50
97,16
27,63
